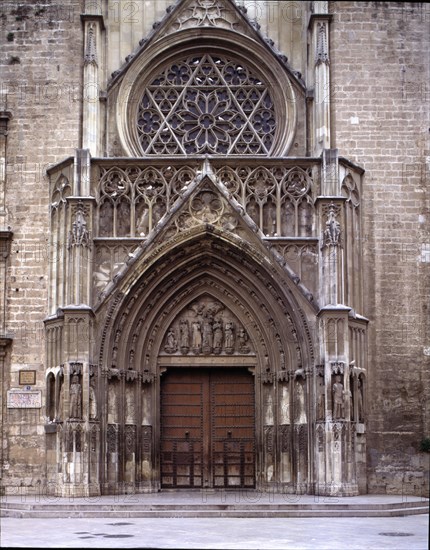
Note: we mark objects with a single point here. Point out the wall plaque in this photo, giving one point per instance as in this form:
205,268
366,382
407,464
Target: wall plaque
20,399
27,377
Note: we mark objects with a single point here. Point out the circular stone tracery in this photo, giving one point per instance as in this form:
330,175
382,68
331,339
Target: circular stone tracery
206,104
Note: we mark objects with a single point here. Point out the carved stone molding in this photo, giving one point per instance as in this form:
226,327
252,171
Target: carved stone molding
90,56
322,55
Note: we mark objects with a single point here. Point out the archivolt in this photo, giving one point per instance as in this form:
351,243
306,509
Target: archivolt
206,263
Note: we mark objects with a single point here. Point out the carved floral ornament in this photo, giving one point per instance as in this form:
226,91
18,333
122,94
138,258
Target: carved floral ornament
206,13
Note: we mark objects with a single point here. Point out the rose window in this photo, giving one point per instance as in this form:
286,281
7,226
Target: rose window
206,105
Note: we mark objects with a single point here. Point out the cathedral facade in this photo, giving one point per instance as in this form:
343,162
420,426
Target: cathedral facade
215,243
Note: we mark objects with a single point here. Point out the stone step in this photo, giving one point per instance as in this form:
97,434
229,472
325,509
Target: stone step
66,508
244,505
208,513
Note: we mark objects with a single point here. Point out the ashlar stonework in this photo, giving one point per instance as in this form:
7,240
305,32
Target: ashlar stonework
209,223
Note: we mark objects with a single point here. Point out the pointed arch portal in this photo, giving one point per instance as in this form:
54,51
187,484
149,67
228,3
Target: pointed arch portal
204,331
206,304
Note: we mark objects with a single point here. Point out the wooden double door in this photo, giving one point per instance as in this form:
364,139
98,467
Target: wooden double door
207,428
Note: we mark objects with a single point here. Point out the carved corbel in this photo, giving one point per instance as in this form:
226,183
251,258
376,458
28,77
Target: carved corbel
114,373
131,375
300,373
283,376
148,377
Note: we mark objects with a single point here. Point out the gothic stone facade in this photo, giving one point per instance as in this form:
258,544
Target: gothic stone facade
214,228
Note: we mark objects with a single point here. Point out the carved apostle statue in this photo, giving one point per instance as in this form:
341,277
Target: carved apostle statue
75,398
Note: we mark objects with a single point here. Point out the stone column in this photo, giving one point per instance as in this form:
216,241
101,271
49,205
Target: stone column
80,434
335,464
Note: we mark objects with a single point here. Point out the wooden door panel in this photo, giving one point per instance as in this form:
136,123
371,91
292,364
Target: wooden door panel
207,428
182,398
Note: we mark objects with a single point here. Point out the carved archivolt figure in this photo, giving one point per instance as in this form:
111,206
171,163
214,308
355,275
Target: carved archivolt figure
131,360
75,398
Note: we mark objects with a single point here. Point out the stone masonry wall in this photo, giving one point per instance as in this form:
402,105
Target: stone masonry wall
380,93
41,43
380,90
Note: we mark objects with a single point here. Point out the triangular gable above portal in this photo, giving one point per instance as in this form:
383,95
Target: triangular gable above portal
207,13
207,202
216,14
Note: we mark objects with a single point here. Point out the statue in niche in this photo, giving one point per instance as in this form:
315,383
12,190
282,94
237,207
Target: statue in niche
321,400
61,396
300,403
123,219
242,337
196,336
93,399
184,336
360,400
332,232
157,213
338,398
207,336
142,226
75,397
229,337
253,212
106,220
271,219
217,331
130,408
171,345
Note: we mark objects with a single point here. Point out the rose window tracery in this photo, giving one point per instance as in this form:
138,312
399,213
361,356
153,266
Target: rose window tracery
206,104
